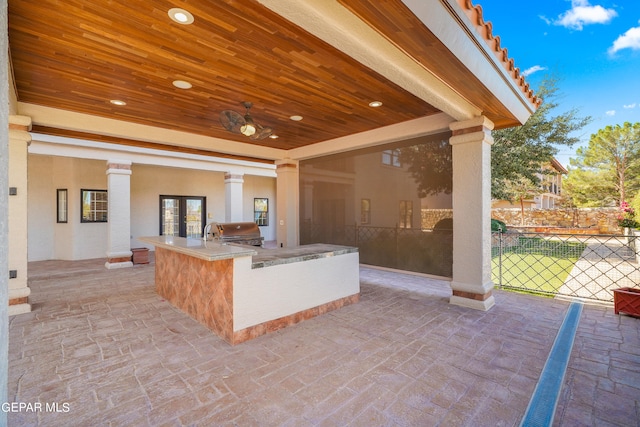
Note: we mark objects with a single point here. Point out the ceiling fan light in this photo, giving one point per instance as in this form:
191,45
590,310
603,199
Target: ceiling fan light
248,129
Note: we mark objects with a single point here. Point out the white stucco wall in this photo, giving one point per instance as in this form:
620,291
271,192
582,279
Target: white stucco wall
264,294
72,240
148,183
257,186
75,240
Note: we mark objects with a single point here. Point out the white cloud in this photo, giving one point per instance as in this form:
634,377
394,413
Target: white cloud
545,19
611,113
630,106
582,13
630,40
532,70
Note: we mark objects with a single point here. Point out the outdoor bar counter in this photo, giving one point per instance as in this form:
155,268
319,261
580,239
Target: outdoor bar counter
241,292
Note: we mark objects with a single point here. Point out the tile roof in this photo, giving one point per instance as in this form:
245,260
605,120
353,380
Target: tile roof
485,29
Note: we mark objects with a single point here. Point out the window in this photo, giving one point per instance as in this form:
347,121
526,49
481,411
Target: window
391,158
406,214
365,211
261,211
62,205
93,206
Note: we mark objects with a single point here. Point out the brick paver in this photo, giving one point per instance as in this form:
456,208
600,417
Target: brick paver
104,347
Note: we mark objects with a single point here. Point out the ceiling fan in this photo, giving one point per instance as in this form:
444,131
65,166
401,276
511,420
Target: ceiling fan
236,123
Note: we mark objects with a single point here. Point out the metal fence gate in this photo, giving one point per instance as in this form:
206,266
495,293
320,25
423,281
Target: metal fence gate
587,266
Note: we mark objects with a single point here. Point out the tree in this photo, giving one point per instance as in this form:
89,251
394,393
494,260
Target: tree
429,163
611,163
520,190
586,188
519,152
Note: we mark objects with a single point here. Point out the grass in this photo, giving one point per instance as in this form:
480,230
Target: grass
536,264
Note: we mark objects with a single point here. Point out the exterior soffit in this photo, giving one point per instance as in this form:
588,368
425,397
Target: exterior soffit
334,24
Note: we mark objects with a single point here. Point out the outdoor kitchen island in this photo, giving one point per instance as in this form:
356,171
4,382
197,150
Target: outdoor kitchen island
241,292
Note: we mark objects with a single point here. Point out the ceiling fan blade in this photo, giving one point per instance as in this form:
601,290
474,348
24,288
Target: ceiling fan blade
232,121
261,132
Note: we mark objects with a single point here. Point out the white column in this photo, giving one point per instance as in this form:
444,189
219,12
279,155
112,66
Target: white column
287,203
19,140
119,216
471,152
233,197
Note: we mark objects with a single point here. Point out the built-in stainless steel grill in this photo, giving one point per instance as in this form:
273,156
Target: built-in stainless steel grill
246,233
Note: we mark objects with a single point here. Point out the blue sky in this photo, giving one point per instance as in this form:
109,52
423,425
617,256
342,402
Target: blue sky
592,46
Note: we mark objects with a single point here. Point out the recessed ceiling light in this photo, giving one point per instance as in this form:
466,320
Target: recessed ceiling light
181,16
181,84
375,104
272,136
296,118
117,102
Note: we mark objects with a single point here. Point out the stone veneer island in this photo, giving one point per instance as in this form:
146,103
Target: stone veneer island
242,292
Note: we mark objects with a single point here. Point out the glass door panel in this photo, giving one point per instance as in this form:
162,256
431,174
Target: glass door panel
194,218
182,216
170,213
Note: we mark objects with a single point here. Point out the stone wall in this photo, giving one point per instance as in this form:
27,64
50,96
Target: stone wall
590,220
431,216
599,220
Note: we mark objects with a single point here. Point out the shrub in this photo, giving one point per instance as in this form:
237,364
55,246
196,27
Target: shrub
497,225
627,216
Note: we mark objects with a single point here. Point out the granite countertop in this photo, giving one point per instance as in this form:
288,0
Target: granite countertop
198,248
213,251
270,257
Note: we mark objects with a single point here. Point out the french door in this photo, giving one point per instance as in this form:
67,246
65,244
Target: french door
182,216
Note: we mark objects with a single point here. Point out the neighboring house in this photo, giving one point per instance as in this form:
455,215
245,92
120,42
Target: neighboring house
371,189
551,181
551,189
115,129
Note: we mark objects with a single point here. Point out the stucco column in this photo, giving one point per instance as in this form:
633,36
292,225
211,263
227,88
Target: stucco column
233,197
471,152
119,215
287,202
19,140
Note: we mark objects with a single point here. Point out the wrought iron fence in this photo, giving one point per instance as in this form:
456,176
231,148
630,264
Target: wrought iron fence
587,266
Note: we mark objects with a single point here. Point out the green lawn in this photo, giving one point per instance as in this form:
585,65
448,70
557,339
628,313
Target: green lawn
536,264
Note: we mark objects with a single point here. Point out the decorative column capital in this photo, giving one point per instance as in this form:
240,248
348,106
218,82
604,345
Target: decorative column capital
286,164
472,125
20,123
233,177
121,167
474,130
19,127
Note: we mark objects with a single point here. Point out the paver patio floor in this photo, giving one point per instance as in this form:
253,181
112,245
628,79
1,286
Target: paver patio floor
104,347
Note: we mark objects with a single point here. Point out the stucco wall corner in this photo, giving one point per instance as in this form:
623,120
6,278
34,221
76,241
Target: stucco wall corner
4,212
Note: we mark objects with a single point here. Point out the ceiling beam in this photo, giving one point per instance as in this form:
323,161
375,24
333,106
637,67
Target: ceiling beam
62,119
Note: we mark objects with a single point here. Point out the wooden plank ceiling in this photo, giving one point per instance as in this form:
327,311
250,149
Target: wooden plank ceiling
78,55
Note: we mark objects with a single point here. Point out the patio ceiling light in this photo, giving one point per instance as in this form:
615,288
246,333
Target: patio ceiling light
181,16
